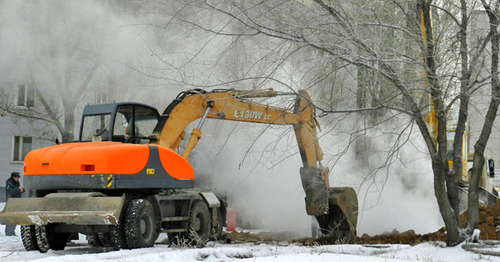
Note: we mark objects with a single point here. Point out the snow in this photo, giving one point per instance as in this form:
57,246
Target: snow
475,235
11,248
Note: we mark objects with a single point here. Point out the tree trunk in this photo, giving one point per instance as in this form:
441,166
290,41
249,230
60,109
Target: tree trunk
477,169
439,159
451,224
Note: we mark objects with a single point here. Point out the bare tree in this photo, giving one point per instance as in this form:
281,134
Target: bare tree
72,54
405,57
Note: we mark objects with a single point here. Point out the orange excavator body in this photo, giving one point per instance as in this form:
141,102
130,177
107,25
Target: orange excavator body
81,158
113,158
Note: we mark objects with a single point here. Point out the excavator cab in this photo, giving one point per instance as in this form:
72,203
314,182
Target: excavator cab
118,122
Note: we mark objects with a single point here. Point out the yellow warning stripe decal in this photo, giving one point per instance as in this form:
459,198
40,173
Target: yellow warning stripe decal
310,125
110,181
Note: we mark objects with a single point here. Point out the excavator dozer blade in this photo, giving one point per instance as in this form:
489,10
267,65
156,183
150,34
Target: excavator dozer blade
67,208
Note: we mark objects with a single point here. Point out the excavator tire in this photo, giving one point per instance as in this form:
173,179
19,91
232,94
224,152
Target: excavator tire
41,239
140,227
218,231
335,225
28,237
112,238
47,238
94,240
199,227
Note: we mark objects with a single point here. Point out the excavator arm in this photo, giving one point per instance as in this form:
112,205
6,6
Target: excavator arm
234,105
334,208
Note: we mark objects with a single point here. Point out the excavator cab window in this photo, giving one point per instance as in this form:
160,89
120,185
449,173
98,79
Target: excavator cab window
145,121
123,123
127,122
95,128
134,123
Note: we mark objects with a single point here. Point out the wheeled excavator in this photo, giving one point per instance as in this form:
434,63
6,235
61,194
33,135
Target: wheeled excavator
125,180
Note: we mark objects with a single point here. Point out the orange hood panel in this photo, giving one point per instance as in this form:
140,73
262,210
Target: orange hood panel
95,158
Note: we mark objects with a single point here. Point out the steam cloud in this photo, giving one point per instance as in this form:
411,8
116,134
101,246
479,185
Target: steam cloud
265,189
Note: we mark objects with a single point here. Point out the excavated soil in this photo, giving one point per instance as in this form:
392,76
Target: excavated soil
489,224
489,230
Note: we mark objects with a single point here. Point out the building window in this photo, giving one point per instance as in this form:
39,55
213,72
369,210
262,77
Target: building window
22,145
25,95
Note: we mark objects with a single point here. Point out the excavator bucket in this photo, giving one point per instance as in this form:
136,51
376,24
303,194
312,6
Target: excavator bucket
346,200
335,208
316,191
66,208
340,222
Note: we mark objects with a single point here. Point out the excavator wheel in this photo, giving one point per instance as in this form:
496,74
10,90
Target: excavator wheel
47,238
199,225
335,225
218,231
112,238
199,228
94,241
140,224
28,237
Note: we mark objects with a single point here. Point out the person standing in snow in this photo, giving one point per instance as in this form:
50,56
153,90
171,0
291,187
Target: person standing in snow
13,189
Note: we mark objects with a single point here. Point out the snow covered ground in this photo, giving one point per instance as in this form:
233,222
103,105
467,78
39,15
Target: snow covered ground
11,249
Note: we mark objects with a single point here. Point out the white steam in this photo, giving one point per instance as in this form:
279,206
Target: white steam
261,180
255,175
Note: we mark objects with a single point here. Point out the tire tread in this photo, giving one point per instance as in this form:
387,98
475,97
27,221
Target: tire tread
28,237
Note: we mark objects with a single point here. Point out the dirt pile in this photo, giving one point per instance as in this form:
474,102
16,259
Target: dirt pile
489,230
489,224
402,238
487,217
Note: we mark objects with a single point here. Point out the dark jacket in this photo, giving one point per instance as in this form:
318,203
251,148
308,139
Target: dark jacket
12,188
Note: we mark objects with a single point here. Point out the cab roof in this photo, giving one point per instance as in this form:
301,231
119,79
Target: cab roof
109,108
